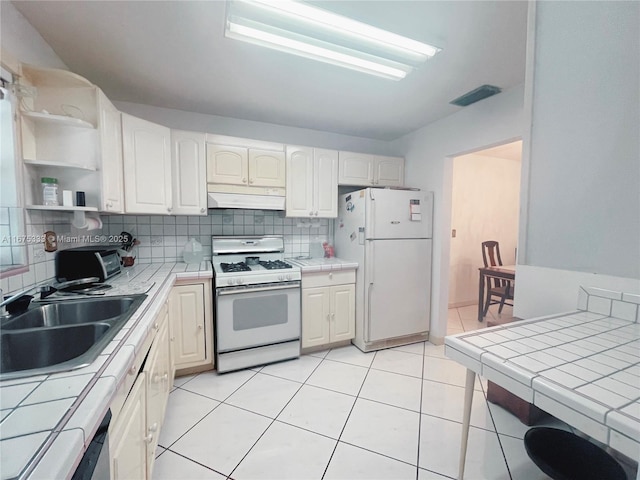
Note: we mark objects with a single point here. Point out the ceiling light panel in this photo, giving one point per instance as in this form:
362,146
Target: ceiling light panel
287,25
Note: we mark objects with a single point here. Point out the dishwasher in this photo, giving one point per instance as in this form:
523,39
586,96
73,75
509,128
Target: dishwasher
95,464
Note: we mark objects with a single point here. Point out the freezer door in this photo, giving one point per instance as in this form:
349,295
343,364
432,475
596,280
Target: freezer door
398,214
398,288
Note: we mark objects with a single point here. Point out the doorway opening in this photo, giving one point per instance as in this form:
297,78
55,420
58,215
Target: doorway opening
485,202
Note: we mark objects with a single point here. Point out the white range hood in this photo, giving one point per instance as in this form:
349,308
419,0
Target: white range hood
246,201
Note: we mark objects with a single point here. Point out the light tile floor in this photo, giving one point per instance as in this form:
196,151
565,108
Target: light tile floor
341,414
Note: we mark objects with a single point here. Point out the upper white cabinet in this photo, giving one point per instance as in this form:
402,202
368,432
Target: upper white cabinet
388,171
59,132
370,170
188,165
233,165
111,149
147,166
312,182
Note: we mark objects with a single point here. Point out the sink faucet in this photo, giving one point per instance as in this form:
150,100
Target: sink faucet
43,289
3,309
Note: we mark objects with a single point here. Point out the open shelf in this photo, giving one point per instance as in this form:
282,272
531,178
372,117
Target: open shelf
62,120
47,163
61,208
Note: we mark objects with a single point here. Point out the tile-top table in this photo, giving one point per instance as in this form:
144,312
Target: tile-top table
582,367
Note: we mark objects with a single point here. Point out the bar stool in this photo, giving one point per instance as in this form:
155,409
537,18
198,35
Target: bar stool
565,456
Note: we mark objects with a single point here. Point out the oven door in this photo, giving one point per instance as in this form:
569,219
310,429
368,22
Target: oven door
252,316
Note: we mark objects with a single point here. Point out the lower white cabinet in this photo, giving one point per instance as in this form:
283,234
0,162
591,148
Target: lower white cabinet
191,326
127,436
328,308
134,431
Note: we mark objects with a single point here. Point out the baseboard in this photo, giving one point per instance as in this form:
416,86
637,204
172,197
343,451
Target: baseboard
463,304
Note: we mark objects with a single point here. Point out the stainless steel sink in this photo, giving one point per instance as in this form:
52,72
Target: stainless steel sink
70,312
60,336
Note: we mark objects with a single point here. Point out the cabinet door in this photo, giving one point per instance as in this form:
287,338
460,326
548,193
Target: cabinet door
111,146
147,166
188,325
158,373
388,171
355,169
316,316
266,169
343,312
227,165
127,436
189,173
299,195
325,183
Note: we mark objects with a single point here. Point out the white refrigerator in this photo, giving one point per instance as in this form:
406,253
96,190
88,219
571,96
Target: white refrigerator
388,232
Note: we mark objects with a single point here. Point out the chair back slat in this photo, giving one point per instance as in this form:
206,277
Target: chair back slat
491,249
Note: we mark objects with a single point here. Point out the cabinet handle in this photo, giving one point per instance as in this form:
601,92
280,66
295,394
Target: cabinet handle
328,317
109,204
330,276
333,317
244,180
200,327
155,326
157,378
165,377
169,209
250,180
311,214
202,210
153,428
173,339
133,370
149,438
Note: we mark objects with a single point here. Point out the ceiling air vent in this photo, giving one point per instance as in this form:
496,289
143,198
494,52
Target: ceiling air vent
476,95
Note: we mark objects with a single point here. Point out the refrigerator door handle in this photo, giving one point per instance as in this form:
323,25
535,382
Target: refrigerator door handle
369,261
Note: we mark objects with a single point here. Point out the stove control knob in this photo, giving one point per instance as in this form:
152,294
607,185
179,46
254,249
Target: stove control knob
230,281
281,278
240,281
289,276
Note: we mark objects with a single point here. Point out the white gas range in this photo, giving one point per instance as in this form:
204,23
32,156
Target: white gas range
257,302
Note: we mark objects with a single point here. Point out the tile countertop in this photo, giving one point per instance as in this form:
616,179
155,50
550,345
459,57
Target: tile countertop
47,421
313,265
582,367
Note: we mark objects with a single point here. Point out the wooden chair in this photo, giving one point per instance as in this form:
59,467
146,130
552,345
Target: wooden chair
496,287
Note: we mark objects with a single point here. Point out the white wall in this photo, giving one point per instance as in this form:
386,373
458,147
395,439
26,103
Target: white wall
255,130
583,167
429,166
484,206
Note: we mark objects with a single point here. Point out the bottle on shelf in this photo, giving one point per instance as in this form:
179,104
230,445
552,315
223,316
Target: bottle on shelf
49,191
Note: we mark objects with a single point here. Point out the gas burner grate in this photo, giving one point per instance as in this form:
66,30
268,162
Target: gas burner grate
275,265
235,267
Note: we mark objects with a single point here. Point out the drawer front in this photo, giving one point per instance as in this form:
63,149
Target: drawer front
328,279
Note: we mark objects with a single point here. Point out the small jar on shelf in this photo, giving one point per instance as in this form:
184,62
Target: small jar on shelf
49,191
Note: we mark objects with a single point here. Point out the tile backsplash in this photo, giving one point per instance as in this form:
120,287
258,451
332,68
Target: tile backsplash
162,238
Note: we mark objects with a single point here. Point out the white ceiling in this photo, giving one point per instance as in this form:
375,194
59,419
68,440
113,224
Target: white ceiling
174,54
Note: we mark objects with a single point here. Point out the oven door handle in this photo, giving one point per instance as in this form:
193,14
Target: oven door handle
236,290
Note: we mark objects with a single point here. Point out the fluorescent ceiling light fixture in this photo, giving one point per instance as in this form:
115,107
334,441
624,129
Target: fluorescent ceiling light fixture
303,30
